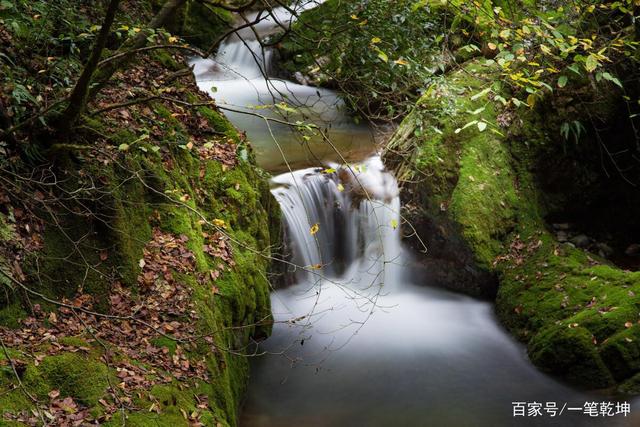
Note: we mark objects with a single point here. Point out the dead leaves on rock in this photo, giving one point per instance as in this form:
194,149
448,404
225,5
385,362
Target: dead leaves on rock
162,308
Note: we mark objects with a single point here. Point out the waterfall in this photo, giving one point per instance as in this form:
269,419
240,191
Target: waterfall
238,78
341,222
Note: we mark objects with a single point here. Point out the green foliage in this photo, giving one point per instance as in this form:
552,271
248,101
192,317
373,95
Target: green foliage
377,52
543,47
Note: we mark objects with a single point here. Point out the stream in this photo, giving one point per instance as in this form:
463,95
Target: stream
360,338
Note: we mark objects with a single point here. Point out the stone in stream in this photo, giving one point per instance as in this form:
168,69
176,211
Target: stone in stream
633,250
581,241
604,250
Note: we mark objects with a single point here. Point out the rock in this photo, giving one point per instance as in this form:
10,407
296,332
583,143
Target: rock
562,236
561,350
633,250
301,78
581,241
604,250
563,226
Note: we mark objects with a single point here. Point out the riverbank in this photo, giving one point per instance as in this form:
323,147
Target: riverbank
135,251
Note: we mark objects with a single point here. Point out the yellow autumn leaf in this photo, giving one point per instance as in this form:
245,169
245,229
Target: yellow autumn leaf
314,229
492,46
375,40
219,223
340,187
394,223
173,39
401,61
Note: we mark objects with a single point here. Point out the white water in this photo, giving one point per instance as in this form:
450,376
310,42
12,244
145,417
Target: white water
356,209
238,79
360,338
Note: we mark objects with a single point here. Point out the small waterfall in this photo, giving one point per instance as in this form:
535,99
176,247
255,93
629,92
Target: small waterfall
342,222
238,78
241,56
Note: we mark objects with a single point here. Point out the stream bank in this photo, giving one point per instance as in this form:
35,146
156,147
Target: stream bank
576,311
135,252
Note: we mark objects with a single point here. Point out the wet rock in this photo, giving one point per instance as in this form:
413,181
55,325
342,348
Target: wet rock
633,250
563,226
562,236
300,78
604,250
581,241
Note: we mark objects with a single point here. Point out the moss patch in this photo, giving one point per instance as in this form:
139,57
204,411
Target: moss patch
479,206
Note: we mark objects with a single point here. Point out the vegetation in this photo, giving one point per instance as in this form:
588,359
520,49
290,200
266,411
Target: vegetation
135,228
136,232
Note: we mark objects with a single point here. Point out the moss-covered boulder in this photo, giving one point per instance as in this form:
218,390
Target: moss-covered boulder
72,375
569,352
470,172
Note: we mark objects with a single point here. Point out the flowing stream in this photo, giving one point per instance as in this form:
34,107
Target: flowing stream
360,339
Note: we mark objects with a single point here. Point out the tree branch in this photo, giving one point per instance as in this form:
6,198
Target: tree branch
80,95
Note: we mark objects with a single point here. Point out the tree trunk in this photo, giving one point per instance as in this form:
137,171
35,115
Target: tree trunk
80,95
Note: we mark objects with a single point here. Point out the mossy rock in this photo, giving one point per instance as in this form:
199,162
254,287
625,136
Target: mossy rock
480,208
570,353
82,378
622,353
631,386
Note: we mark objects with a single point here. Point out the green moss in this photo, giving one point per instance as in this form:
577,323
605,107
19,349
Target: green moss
219,123
164,57
478,187
12,314
622,352
81,378
631,386
571,353
165,342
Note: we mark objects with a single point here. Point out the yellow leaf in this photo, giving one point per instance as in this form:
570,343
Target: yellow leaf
219,223
401,62
394,223
329,171
492,46
531,100
375,40
340,187
173,39
314,229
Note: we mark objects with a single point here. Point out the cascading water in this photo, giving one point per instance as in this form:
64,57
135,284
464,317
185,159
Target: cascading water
356,341
238,79
341,215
